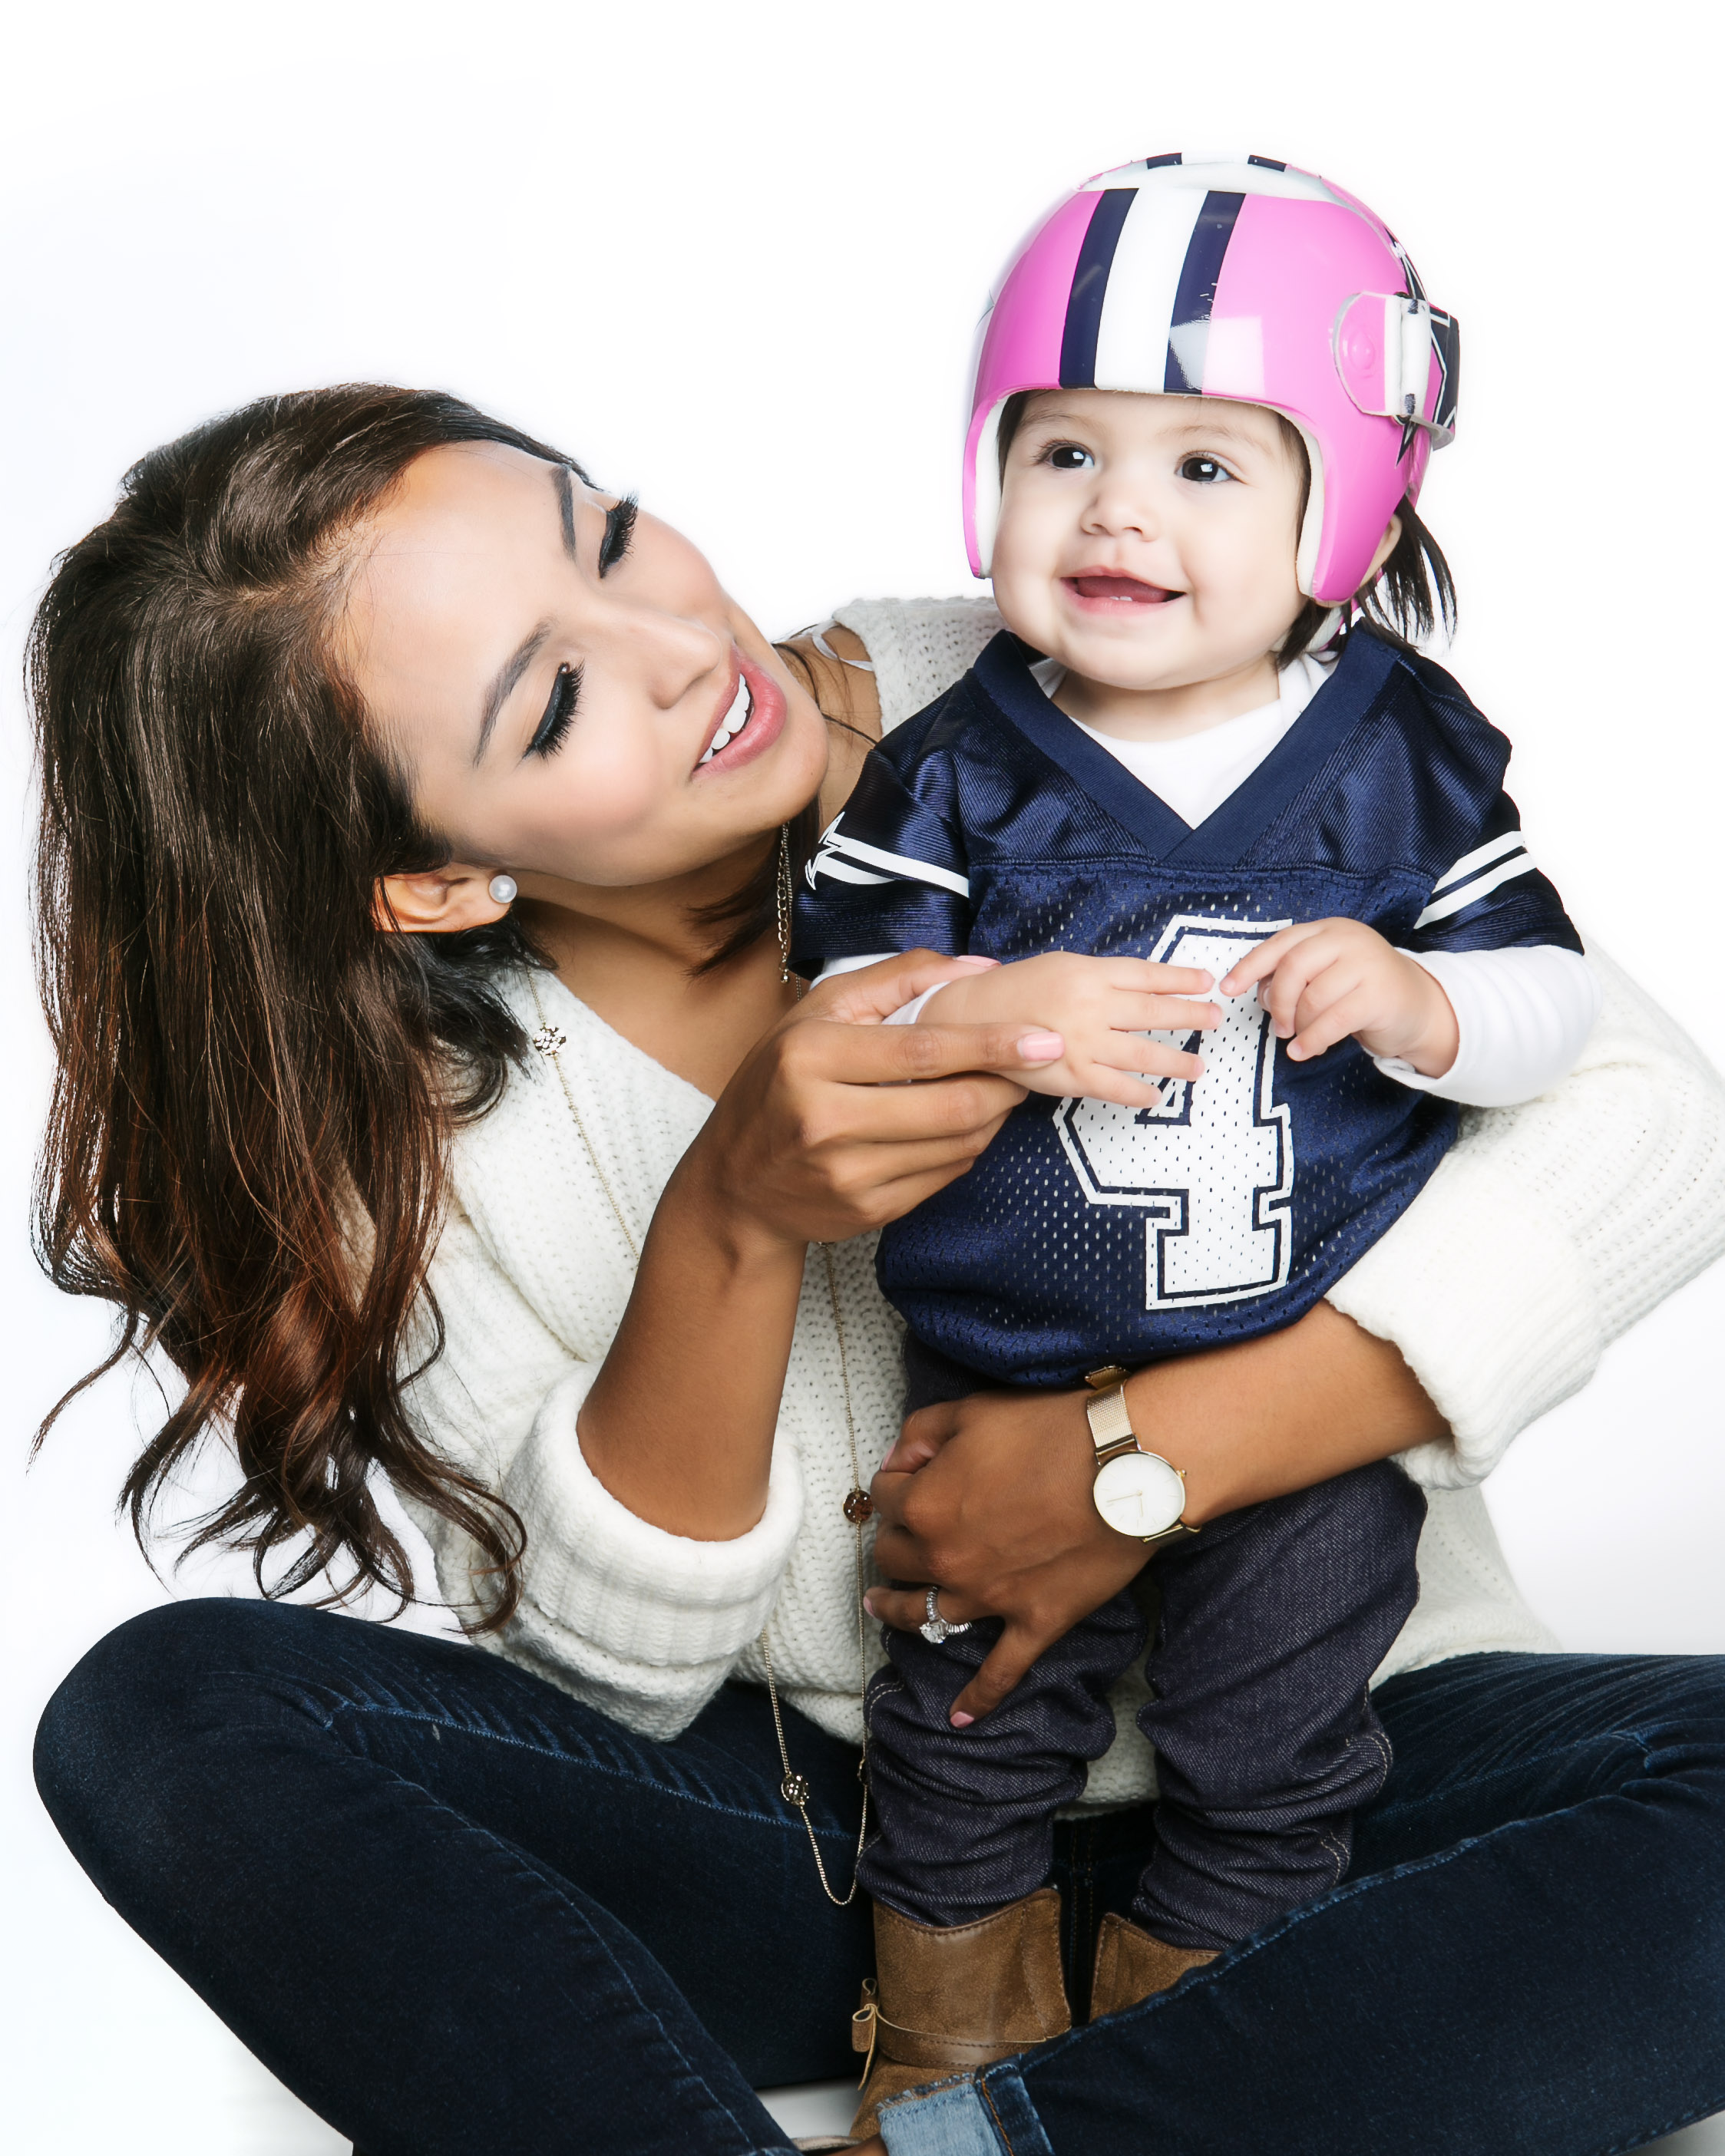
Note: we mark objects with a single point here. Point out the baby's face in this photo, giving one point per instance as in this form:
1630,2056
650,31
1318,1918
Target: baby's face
1147,543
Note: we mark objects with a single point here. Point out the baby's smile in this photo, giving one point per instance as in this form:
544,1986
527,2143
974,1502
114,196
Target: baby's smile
1110,588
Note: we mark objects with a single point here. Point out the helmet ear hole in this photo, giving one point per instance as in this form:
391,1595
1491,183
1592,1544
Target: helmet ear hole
1311,509
985,461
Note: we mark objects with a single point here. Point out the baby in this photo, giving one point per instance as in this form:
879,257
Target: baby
1219,837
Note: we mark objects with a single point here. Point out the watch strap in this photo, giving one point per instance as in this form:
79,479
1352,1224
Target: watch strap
1111,1423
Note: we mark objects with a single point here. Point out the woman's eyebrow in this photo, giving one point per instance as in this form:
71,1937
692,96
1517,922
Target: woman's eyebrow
566,505
511,670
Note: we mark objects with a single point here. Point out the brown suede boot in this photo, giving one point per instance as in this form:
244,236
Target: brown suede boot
946,1998
1131,1965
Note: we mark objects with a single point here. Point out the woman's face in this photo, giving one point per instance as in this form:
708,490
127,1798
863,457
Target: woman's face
576,702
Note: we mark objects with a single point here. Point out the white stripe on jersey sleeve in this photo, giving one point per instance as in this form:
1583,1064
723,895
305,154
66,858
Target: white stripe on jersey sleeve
828,864
1494,850
895,864
1505,872
1519,863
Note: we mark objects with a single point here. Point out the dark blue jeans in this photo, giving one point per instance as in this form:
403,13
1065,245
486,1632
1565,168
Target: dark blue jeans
459,1913
1268,1626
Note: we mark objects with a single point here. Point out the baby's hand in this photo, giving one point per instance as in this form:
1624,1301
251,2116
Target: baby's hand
1322,980
1100,1008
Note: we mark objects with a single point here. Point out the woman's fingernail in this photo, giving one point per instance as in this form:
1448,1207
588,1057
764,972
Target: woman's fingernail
973,964
1041,1047
868,1605
961,1720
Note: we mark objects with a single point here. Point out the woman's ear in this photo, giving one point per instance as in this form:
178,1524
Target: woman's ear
441,902
1386,547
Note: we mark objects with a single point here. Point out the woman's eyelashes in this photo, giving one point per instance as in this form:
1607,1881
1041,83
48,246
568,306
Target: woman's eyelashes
552,729
619,531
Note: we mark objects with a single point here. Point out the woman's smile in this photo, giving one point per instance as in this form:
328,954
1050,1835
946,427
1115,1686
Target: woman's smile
749,720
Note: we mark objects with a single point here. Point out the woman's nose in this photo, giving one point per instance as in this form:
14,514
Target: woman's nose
676,652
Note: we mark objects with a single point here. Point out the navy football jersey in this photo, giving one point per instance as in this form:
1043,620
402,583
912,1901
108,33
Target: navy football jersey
1090,1233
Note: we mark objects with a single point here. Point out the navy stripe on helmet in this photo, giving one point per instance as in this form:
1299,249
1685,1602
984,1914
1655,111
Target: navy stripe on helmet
1168,157
1089,288
1270,164
1446,342
1199,275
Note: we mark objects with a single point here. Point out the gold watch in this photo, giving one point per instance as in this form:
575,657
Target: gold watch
1138,1493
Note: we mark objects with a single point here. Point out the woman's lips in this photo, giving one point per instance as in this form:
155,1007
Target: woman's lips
750,719
1112,590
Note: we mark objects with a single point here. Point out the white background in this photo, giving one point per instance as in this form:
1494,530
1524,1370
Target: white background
732,257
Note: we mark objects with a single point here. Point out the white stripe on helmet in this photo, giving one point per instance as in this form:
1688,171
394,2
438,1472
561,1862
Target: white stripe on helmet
1131,339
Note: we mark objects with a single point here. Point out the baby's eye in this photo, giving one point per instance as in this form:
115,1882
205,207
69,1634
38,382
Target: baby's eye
1204,471
1067,456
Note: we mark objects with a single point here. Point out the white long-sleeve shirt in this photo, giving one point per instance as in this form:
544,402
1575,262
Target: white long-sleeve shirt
1546,1231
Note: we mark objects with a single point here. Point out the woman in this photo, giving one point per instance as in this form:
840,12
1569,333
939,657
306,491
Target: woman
358,701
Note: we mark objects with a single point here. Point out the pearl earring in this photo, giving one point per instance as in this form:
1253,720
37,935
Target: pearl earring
503,889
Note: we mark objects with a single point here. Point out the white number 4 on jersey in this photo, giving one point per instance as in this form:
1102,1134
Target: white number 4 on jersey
1212,1166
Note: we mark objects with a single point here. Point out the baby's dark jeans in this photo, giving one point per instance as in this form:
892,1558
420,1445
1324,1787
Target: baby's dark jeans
1264,1629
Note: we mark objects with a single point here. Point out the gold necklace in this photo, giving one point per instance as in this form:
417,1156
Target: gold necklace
859,1506
783,894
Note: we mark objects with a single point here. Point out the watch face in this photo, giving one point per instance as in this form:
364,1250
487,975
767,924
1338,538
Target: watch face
1140,1494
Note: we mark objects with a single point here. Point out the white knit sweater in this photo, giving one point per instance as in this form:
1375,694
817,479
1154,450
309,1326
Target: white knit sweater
1547,1231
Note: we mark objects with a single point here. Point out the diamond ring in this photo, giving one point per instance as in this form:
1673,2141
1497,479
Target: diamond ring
935,1628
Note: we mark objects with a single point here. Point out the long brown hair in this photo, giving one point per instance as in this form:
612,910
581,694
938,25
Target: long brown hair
255,1088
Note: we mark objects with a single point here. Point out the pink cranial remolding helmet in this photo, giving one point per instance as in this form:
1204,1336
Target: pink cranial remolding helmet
1238,278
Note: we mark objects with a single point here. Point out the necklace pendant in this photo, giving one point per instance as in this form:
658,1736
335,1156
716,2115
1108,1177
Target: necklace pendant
795,1790
859,1506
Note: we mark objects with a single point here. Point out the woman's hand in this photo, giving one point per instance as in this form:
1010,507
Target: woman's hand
989,1497
833,1124
837,1123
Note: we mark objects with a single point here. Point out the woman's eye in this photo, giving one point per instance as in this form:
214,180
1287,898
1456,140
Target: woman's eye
1067,456
552,729
1205,471
619,531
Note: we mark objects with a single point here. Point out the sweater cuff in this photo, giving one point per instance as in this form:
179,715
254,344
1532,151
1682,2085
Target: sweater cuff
598,1575
1492,1307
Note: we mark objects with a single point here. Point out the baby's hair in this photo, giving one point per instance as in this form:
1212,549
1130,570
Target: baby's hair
1410,594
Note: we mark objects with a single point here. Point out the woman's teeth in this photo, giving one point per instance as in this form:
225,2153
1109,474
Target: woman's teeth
742,706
